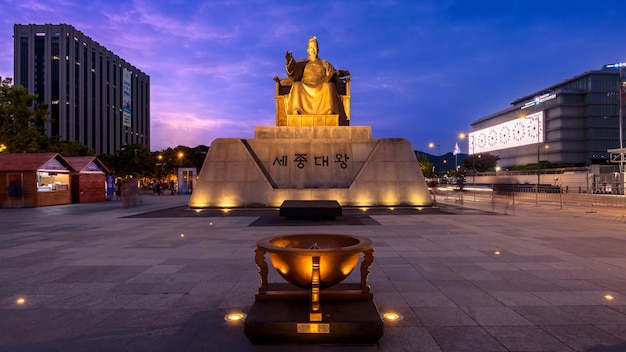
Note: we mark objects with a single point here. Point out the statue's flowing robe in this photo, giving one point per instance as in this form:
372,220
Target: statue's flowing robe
313,91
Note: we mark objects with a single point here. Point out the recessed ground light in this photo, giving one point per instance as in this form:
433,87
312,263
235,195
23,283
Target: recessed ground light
609,297
235,317
20,300
390,316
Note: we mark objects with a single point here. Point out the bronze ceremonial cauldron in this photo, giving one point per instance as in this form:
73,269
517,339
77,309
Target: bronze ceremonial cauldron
292,256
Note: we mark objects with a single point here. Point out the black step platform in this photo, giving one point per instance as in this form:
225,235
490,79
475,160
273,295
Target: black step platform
310,209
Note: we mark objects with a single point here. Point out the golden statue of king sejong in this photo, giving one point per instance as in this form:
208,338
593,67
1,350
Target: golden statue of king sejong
313,91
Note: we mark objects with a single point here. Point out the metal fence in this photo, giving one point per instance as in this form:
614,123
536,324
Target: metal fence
513,194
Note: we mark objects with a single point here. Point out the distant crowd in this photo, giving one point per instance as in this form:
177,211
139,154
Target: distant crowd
128,189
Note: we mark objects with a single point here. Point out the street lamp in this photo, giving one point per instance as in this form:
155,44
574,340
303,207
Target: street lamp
160,163
539,131
432,145
180,159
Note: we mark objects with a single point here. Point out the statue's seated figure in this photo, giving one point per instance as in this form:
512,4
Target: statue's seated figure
314,93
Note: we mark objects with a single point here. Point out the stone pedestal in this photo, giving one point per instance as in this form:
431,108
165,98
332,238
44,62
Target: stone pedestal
341,163
343,322
312,120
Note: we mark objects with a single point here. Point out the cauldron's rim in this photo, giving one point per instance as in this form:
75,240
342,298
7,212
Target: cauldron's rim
362,244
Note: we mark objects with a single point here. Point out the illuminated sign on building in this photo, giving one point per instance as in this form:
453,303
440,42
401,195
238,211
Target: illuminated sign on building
611,67
516,133
126,98
540,99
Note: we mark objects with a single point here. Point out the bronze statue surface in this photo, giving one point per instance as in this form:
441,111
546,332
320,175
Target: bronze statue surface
313,91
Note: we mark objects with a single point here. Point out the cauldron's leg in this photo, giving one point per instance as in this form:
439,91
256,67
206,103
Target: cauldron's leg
315,314
368,259
259,259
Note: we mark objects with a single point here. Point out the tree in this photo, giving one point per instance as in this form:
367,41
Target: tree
168,163
425,164
481,162
21,119
68,148
171,159
132,160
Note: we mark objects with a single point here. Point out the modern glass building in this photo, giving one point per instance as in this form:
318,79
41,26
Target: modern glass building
95,97
572,123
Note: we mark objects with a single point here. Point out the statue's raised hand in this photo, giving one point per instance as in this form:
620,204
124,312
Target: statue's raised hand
288,56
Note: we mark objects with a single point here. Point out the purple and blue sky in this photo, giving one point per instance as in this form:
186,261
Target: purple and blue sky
421,69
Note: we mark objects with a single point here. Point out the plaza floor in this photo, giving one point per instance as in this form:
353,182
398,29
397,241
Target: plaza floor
465,276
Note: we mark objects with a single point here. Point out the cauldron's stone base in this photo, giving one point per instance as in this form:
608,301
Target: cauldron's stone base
343,322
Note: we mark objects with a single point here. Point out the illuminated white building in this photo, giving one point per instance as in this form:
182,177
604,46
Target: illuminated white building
572,123
94,96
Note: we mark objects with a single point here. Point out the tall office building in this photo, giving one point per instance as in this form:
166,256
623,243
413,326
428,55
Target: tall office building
95,97
571,123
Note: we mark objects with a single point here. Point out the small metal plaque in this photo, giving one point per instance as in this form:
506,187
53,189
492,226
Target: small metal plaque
313,328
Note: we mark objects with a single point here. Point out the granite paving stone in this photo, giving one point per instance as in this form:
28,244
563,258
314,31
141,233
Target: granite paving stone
465,339
444,316
547,315
526,338
583,337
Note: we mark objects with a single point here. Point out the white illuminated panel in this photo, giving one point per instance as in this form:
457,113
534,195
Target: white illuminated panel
521,131
126,99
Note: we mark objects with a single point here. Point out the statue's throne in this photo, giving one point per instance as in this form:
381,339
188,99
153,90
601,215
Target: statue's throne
283,86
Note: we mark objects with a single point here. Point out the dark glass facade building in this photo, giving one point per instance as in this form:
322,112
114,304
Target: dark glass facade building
571,123
95,97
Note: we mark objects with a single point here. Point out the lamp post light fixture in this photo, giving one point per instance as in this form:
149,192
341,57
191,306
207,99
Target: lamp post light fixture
432,145
621,93
180,159
539,132
471,152
160,163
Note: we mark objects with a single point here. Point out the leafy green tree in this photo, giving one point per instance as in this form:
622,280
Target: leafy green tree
193,157
481,162
68,148
134,160
425,164
167,161
21,119
170,159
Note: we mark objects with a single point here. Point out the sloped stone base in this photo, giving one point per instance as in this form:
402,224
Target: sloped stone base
341,163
